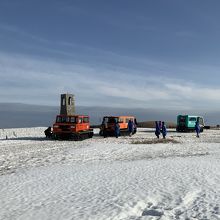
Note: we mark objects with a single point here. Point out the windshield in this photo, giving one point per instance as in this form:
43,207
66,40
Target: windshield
66,119
193,119
109,120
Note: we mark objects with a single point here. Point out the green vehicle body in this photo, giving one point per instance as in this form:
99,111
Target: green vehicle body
187,123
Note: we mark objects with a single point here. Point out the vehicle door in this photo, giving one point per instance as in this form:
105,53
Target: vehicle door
201,121
86,124
80,124
192,122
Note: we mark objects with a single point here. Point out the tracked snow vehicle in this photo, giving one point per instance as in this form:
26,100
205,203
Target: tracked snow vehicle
108,125
186,123
69,125
75,127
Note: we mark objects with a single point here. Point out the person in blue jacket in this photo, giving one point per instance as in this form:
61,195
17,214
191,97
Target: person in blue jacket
130,127
117,129
164,130
197,129
157,131
160,126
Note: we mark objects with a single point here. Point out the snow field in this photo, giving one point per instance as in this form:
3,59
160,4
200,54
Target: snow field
109,178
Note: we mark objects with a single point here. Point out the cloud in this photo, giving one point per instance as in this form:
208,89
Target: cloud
187,34
40,81
195,92
20,32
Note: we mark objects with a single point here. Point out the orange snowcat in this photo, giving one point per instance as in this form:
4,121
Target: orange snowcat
75,127
108,125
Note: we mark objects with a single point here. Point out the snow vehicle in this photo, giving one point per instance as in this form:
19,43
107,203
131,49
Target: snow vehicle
107,127
187,123
75,127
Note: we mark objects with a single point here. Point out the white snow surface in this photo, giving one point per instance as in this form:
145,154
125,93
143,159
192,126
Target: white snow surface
109,178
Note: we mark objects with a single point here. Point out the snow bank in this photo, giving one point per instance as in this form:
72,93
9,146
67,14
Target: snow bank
21,132
109,178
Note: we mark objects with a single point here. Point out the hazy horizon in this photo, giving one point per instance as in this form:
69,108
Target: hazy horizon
14,115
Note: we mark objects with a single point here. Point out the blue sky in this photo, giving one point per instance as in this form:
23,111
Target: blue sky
119,53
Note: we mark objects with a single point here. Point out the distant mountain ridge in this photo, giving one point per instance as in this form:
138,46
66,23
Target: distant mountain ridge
17,115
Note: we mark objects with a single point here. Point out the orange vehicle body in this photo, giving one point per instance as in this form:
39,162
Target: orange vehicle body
72,126
108,124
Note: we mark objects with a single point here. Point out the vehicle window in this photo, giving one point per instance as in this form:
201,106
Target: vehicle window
86,120
80,120
59,119
127,120
201,122
65,119
192,119
105,120
72,119
62,119
112,120
121,120
116,120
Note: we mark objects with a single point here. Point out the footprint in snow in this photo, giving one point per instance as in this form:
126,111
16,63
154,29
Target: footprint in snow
152,212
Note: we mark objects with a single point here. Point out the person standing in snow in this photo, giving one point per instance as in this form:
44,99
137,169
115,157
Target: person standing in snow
197,129
117,129
48,132
157,131
164,130
160,126
130,127
135,125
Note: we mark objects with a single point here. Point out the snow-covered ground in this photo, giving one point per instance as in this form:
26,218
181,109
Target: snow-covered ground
109,178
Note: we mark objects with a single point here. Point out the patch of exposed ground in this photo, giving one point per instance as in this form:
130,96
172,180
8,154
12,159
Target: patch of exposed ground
156,141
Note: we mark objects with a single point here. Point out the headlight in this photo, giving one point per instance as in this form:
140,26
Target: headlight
56,126
72,126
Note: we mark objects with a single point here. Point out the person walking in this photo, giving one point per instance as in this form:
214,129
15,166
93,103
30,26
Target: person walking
197,129
130,127
117,129
164,130
157,131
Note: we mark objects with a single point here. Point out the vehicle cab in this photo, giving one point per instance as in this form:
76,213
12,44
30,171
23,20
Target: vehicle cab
187,122
71,124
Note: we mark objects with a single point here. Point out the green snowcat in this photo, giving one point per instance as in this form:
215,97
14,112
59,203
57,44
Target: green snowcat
186,123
